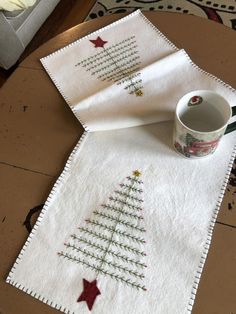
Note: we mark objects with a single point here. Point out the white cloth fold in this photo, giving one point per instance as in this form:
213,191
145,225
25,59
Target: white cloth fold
166,73
174,75
128,224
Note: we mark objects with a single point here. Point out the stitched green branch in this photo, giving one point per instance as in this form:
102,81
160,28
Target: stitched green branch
109,48
120,232
123,54
106,65
117,200
128,78
118,70
108,240
116,209
103,271
90,248
136,88
131,188
133,68
111,264
115,63
111,252
124,280
120,221
103,55
129,196
133,179
133,84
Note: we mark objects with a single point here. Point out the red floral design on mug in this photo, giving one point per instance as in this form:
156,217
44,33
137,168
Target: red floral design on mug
200,122
195,100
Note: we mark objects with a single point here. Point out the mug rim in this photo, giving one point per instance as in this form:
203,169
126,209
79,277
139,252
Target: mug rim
202,132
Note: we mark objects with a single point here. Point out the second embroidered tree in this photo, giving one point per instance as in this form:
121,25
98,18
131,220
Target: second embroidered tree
111,242
119,63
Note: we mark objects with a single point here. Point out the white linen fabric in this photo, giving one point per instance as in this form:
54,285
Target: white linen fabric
128,134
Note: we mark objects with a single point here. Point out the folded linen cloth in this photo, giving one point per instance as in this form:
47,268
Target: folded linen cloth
128,224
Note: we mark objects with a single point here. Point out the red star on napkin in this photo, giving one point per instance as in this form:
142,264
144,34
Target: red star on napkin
89,293
98,42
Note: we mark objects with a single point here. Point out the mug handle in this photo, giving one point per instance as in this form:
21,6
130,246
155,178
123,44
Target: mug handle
232,126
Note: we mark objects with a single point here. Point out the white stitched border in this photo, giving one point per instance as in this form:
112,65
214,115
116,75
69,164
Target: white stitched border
37,224
67,166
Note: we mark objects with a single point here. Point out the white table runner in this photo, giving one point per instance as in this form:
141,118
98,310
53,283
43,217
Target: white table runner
128,224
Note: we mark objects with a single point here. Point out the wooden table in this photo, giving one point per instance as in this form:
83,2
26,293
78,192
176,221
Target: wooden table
38,131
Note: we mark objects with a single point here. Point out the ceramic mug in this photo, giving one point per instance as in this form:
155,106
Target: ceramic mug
201,119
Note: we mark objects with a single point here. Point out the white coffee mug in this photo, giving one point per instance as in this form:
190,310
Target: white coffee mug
201,119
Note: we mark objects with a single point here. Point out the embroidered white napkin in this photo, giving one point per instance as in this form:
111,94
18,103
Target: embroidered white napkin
127,226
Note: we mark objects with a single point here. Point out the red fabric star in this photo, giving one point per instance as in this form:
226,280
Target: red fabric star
98,42
89,293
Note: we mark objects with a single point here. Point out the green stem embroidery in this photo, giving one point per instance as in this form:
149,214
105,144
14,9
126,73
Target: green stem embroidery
135,89
102,259
134,92
108,253
132,188
102,55
120,256
122,222
128,196
133,179
116,209
109,48
103,271
135,83
117,76
132,76
106,239
118,70
117,200
124,54
114,230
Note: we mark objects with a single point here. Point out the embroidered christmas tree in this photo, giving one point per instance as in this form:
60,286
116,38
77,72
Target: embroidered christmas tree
111,242
117,63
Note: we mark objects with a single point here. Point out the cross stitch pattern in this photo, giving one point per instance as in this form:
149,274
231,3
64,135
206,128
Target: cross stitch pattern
110,243
117,63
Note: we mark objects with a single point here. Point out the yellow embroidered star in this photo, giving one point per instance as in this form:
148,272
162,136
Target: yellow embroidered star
137,173
138,92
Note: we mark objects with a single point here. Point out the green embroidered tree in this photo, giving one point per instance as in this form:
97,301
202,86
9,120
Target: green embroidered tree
110,243
117,63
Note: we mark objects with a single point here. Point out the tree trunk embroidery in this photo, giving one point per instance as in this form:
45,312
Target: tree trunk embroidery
110,243
117,63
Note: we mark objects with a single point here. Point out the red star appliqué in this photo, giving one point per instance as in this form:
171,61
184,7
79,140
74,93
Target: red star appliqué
98,42
89,293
